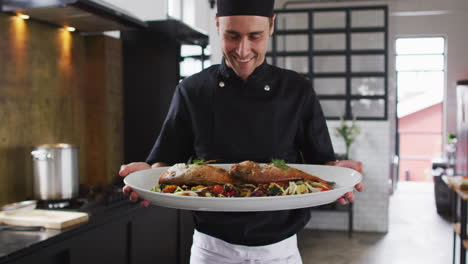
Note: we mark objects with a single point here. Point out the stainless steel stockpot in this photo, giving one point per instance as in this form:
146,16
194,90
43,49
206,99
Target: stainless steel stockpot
55,169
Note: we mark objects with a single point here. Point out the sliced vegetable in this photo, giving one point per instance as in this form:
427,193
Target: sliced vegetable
197,188
258,193
312,189
301,188
170,188
244,190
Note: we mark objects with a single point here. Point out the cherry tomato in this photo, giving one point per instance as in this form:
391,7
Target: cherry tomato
218,189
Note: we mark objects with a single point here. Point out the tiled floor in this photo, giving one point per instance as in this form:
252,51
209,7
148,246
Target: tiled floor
417,234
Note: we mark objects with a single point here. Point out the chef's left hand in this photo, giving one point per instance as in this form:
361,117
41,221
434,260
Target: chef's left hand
355,165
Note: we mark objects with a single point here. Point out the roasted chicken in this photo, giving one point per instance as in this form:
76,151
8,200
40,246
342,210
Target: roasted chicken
193,174
254,173
245,179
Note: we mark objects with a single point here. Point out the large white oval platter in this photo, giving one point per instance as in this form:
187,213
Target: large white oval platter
344,178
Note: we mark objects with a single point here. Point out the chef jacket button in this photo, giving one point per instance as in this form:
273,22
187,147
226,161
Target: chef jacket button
221,84
267,88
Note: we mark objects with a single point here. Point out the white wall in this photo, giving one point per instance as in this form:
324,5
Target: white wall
143,9
371,206
199,15
194,13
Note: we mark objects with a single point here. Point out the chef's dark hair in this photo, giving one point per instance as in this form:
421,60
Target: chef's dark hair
245,8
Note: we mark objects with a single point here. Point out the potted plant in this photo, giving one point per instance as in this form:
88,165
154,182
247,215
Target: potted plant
349,134
451,149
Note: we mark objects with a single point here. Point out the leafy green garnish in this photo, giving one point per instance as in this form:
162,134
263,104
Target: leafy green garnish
280,164
202,161
158,188
198,161
275,190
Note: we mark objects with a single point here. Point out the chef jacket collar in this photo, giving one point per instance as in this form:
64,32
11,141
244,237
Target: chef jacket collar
260,73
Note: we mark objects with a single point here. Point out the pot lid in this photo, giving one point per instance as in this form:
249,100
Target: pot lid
57,145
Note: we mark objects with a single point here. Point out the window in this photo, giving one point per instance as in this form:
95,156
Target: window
420,67
194,59
420,72
343,51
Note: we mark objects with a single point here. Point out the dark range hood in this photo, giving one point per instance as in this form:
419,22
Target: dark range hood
90,16
179,31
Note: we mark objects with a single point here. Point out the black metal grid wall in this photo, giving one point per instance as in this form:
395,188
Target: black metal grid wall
364,93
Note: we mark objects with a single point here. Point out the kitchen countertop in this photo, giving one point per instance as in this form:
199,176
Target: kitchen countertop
14,244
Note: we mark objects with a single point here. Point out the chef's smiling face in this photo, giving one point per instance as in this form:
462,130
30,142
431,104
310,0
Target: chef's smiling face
244,41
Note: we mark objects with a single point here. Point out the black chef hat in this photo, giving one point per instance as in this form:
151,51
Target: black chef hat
246,8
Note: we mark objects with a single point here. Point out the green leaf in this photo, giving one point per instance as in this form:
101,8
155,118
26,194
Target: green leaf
451,138
349,133
275,190
197,161
279,163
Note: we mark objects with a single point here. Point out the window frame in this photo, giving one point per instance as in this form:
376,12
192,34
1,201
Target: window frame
443,71
348,97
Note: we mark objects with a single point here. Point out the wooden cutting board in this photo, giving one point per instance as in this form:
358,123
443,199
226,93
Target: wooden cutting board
47,218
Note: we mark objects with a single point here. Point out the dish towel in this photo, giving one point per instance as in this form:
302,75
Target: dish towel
210,250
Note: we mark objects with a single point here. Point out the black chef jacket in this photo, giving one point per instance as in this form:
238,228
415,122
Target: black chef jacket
215,115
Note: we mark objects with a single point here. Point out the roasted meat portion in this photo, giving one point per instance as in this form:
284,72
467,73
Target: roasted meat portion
245,179
255,173
193,174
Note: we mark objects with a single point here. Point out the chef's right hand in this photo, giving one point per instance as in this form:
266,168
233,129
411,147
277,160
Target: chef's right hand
132,167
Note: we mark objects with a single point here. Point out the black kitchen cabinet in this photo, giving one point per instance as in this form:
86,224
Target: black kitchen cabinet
151,66
132,235
154,236
151,70
102,244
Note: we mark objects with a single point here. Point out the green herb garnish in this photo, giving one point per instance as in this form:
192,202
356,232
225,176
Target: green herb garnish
275,190
202,161
198,161
280,164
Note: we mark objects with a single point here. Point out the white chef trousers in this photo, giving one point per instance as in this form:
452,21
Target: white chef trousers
210,250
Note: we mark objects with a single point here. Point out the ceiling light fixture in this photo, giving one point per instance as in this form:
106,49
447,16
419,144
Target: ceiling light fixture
71,29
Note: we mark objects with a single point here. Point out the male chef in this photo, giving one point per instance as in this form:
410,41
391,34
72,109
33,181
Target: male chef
244,109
